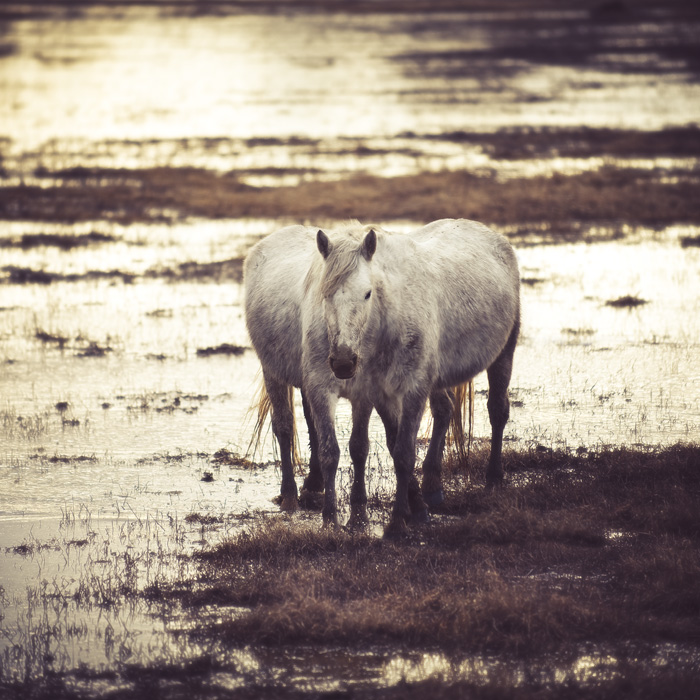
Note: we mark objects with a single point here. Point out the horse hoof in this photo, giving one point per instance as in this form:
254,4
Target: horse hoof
358,521
420,517
289,504
311,500
434,499
396,529
331,522
494,482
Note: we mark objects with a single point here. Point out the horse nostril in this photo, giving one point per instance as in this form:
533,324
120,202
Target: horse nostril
349,360
343,368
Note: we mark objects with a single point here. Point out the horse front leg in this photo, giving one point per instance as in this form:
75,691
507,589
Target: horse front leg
390,418
409,502
322,407
312,490
359,451
283,429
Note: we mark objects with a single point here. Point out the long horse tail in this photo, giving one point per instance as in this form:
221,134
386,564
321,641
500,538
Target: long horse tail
262,408
462,412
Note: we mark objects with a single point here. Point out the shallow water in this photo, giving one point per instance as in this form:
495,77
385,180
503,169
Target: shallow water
586,374
139,87
110,419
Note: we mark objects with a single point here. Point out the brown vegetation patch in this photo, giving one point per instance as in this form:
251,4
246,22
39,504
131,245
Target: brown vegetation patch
62,459
581,142
223,349
609,194
601,549
626,302
224,457
61,241
690,241
219,271
25,275
52,338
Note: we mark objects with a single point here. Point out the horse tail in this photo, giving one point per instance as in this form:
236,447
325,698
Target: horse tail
262,407
462,410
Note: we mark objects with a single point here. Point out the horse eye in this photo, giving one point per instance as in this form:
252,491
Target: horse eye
368,295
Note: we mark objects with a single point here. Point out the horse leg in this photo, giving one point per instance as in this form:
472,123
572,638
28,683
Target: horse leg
283,428
499,407
391,427
313,483
322,406
359,451
408,497
441,404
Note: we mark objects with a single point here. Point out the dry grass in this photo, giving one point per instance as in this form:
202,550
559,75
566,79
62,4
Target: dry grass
582,142
223,7
601,550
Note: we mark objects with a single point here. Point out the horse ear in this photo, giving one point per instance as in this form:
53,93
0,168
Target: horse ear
324,245
369,245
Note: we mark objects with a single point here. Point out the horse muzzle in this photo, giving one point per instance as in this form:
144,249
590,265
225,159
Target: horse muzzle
343,367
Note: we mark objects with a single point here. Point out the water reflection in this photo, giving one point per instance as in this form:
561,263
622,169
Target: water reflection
114,79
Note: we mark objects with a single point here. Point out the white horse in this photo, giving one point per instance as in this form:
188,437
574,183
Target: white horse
275,272
389,321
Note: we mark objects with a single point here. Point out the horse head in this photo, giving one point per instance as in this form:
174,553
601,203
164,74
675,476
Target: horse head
347,297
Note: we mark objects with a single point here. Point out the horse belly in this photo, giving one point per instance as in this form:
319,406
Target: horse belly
475,326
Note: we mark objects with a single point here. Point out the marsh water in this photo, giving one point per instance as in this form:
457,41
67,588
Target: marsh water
116,388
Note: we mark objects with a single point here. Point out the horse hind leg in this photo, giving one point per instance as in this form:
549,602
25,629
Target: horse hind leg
417,506
441,406
283,428
499,374
409,504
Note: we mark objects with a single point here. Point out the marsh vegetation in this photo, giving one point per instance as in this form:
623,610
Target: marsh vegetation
576,580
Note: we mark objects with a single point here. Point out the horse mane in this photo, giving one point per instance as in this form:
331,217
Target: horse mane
345,253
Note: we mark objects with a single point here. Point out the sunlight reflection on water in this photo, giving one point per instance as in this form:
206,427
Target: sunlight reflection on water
100,86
